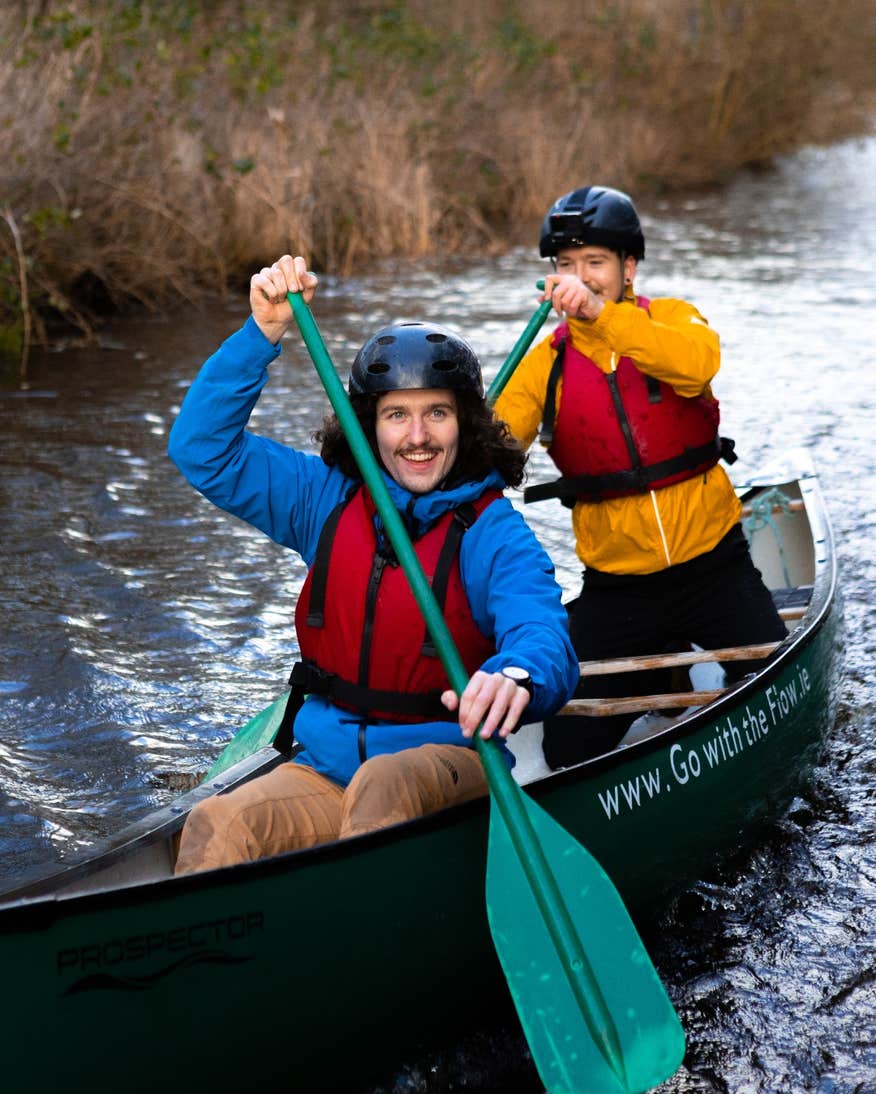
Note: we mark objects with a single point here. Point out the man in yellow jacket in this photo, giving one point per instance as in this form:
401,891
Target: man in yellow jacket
619,394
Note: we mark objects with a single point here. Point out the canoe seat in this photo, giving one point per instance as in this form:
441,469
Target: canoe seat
795,596
792,601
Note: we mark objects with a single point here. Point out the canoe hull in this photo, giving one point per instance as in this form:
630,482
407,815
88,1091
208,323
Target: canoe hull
323,967
282,948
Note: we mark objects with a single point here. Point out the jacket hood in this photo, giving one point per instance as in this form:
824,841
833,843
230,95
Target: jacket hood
422,510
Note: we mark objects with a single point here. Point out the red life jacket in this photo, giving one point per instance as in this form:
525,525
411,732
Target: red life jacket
623,432
361,633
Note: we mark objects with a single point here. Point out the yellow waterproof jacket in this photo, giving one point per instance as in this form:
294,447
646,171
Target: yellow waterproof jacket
646,532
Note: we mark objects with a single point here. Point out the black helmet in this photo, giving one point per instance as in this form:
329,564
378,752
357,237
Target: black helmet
415,355
592,214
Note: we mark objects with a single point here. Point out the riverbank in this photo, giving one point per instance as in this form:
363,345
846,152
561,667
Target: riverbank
154,153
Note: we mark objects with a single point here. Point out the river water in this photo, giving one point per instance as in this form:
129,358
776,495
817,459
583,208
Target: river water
141,626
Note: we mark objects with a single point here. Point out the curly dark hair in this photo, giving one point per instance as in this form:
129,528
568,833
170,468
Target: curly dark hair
485,442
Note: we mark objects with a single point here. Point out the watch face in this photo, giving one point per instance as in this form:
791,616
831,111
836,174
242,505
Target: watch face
515,673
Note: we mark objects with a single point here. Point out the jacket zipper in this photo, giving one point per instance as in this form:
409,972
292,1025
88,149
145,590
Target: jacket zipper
660,527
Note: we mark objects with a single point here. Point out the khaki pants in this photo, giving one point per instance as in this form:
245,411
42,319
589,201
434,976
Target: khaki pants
294,806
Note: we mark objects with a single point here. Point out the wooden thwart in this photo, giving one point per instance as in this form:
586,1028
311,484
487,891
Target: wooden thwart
627,704
670,660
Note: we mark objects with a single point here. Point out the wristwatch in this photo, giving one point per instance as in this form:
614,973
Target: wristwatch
520,677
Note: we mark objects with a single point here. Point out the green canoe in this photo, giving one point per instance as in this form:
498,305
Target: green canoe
321,967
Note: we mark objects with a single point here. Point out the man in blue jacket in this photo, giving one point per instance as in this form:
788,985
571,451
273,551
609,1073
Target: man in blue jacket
383,736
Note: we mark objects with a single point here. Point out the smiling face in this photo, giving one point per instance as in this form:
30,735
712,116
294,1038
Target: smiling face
599,268
418,436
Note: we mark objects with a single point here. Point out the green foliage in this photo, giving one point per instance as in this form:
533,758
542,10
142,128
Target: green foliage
50,216
10,300
395,34
61,137
527,49
11,321
362,48
212,160
11,342
66,28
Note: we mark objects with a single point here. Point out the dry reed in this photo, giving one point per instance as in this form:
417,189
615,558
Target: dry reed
155,152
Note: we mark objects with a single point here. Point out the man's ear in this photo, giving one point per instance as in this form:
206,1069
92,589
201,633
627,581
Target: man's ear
630,265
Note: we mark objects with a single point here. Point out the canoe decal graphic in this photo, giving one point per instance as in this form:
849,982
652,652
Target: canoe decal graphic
117,963
104,981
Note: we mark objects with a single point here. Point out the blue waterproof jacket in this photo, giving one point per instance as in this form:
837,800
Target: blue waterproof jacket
287,494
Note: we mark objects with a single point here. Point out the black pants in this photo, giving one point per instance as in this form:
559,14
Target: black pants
717,599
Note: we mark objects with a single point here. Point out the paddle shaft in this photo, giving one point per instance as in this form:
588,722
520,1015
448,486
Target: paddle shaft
503,788
519,348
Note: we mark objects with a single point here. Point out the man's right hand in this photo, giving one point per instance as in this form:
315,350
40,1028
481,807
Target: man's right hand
570,296
490,700
267,294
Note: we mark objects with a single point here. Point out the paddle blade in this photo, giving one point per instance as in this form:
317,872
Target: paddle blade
594,1012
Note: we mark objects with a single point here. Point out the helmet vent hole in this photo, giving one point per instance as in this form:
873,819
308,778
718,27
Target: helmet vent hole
436,338
444,366
386,340
378,368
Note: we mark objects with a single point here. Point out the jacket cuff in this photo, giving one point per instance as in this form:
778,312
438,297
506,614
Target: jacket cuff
255,341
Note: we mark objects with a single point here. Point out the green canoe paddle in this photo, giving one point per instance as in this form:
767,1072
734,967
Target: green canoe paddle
592,1007
519,348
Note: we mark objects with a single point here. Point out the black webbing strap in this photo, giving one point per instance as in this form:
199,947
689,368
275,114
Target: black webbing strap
311,680
626,429
316,607
637,480
285,735
728,449
464,517
372,591
549,414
